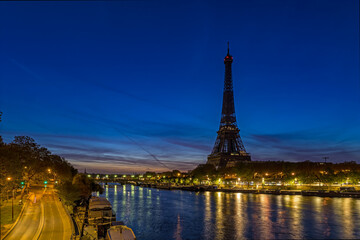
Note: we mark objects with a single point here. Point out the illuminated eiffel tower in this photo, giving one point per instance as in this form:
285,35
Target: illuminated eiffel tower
228,148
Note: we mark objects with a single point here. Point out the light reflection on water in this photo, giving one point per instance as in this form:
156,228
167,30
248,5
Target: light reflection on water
162,214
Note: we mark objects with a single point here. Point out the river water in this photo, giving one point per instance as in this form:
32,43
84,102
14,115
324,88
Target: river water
162,214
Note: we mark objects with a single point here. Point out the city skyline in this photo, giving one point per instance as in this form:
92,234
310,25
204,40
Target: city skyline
120,84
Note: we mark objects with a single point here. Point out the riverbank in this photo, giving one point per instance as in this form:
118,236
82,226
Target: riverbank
314,191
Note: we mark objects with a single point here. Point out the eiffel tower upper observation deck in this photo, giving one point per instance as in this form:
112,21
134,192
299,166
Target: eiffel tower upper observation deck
228,148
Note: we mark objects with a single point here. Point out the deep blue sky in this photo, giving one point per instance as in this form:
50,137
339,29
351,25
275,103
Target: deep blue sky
105,83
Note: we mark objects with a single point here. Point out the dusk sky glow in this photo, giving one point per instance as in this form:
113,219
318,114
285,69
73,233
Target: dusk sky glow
105,84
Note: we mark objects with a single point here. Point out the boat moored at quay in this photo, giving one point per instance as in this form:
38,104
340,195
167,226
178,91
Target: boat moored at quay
102,222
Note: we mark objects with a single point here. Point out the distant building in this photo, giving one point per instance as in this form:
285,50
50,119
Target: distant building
228,148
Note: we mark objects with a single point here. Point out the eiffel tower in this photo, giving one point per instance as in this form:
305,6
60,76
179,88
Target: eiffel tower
228,148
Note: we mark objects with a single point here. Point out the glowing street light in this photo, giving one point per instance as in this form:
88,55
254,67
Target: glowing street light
9,178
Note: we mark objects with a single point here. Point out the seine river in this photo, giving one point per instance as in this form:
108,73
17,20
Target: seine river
161,214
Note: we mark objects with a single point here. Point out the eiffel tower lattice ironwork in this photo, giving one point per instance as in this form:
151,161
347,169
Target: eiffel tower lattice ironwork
228,148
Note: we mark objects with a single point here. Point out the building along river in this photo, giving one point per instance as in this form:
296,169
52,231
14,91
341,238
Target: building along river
164,214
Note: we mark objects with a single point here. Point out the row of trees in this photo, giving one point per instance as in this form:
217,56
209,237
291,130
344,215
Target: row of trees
23,162
305,172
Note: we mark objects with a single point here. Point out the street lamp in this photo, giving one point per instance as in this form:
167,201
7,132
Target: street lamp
12,201
7,195
12,205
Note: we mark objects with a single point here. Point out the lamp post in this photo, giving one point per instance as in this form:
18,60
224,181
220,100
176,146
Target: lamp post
7,195
12,200
12,206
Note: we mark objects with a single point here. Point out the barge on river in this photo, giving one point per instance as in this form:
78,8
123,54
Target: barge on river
103,224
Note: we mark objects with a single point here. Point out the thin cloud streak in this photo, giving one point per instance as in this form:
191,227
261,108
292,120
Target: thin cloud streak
302,146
